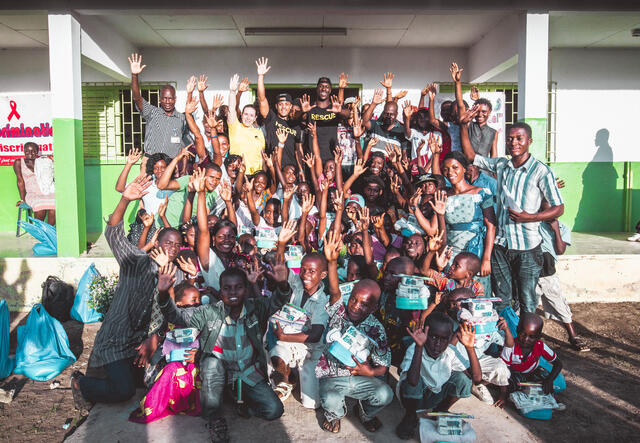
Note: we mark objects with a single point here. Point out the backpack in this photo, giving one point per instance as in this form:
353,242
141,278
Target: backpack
57,298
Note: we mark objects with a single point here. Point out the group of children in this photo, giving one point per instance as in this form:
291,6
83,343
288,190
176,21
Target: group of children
287,271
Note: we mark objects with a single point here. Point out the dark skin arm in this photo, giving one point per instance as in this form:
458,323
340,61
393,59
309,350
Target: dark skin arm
20,181
134,191
167,181
332,246
547,384
431,91
376,100
552,213
193,127
558,244
313,336
135,62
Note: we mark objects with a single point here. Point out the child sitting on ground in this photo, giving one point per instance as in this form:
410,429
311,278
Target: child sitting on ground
523,354
433,376
464,267
177,385
363,380
302,350
231,341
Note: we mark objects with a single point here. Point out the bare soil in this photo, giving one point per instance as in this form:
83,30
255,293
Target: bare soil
602,396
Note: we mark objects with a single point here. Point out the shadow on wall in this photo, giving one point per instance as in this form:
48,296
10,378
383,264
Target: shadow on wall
600,208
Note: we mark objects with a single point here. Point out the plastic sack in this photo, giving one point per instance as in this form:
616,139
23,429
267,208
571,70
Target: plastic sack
44,233
43,346
57,298
512,319
80,310
6,363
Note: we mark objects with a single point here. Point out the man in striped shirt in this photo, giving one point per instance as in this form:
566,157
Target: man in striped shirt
523,181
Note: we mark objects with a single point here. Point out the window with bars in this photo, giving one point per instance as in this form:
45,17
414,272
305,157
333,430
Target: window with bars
111,124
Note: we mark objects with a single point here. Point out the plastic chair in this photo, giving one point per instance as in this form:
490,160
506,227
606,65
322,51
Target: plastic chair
29,210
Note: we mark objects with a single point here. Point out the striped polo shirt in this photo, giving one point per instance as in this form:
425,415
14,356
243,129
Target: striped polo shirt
164,133
235,350
520,189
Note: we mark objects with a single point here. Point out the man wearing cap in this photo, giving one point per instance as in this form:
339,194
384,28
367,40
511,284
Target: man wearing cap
326,114
292,148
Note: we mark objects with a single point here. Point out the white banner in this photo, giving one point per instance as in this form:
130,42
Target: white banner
24,117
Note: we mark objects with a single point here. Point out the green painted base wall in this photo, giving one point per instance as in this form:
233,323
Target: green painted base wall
594,196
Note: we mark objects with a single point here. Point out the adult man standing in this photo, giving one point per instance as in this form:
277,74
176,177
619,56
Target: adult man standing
523,181
290,153
386,129
326,114
167,130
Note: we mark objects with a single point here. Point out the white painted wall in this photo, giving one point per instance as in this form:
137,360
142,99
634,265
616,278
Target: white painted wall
597,89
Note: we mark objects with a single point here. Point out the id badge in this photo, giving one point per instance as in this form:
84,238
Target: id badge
175,139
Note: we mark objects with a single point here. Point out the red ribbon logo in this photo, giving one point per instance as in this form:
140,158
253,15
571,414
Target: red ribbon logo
13,112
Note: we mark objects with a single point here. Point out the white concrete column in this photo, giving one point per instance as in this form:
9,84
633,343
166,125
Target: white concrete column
533,78
66,110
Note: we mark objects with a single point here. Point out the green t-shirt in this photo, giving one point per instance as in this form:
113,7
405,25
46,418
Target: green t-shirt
178,199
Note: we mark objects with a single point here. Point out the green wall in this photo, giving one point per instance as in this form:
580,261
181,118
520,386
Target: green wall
594,195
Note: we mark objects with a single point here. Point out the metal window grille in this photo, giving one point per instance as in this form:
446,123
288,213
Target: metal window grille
111,124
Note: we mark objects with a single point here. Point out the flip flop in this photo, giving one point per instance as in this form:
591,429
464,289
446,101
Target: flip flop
283,391
579,344
332,426
370,425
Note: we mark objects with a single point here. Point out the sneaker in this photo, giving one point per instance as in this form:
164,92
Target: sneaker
561,407
482,392
634,237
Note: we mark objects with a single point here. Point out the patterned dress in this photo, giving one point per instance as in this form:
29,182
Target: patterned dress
34,197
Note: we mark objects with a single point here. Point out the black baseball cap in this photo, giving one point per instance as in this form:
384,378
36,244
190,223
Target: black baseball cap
324,80
424,178
284,97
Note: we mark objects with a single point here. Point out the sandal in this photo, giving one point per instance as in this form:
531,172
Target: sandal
370,425
406,429
218,430
283,391
331,426
79,401
579,344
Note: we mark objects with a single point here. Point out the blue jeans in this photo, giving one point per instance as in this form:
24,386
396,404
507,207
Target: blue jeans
118,386
263,402
373,395
458,385
514,276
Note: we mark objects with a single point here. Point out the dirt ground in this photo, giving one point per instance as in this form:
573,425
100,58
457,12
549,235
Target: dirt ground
602,397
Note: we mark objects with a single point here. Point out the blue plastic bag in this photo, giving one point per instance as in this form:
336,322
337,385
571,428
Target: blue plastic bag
44,233
43,346
512,319
80,310
6,363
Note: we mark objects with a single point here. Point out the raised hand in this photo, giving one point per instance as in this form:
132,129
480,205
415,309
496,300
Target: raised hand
358,168
244,85
137,188
435,241
372,142
308,200
419,336
147,220
225,190
308,160
414,201
443,257
343,80
456,72
268,161
466,334
134,156
191,106
363,223
135,63
248,185
287,232
184,152
262,65
211,118
282,135
432,90
159,256
243,166
217,102
187,266
407,109
378,97
312,128
337,156
234,82
254,271
475,94
332,245
440,197
289,191
400,95
279,271
378,222
469,115
387,80
395,184
434,146
191,84
202,83
162,208
336,106
196,181
338,202
305,103
166,276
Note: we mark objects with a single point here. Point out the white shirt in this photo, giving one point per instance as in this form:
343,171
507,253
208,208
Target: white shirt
434,372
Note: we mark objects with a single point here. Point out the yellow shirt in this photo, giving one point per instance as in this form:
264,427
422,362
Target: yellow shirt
248,142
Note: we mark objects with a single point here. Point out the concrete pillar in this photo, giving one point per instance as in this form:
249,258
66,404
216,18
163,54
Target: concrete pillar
533,78
66,107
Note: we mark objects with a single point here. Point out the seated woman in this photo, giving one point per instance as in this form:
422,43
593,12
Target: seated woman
35,183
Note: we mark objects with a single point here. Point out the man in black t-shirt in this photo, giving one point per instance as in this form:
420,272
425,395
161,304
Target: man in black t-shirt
291,150
326,113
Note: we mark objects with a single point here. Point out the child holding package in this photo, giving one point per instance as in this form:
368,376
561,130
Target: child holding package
433,376
231,342
364,380
177,385
523,354
461,273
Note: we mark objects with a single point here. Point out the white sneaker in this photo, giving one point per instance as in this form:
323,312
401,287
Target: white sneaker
482,392
634,237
